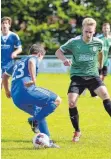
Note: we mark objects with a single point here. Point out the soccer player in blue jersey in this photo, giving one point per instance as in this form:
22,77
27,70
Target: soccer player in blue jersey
10,44
26,96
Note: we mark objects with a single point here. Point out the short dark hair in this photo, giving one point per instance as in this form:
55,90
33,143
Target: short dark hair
36,48
6,18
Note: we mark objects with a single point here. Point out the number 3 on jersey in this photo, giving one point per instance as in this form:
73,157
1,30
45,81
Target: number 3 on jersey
18,71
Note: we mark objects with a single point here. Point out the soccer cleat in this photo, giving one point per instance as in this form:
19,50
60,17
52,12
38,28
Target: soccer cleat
76,136
53,145
34,125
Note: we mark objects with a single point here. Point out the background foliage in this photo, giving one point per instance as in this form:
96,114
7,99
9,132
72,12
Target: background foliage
53,22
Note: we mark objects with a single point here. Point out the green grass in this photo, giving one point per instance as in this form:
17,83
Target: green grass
95,124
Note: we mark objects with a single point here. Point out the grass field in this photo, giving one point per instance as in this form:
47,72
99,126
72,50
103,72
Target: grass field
95,125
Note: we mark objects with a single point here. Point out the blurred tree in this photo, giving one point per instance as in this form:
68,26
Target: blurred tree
52,22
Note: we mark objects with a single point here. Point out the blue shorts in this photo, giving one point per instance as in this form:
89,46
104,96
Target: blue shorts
7,66
26,99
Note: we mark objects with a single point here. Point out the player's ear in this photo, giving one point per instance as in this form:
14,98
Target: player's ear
39,54
95,31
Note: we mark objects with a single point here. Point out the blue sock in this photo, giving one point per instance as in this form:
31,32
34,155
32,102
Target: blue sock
45,111
43,127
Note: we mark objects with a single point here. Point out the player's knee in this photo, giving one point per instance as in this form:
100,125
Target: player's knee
58,101
72,104
104,95
102,92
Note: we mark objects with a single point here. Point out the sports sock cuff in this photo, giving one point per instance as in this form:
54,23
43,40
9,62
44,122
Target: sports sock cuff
106,101
107,105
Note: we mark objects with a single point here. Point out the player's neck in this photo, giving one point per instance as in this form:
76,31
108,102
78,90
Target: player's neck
107,35
5,32
86,40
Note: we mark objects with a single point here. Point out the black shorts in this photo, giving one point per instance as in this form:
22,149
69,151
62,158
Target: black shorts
104,71
78,84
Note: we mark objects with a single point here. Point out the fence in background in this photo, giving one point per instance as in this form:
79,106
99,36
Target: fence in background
51,64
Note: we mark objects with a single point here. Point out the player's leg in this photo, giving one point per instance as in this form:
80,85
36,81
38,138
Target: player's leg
74,115
104,95
49,108
2,71
52,102
33,110
42,125
73,93
41,97
93,94
26,99
39,126
100,89
73,112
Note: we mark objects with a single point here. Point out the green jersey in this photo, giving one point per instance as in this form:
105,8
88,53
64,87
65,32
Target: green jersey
84,56
106,46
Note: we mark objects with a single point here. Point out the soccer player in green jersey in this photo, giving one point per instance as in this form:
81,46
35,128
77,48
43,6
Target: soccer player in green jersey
86,51
106,38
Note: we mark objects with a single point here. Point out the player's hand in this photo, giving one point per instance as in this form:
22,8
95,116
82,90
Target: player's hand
101,77
67,62
14,55
8,94
28,84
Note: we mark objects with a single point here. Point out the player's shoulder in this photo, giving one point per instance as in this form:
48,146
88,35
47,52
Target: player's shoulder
99,36
97,40
14,35
77,38
32,58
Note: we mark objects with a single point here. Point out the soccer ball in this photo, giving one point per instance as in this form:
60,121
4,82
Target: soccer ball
41,140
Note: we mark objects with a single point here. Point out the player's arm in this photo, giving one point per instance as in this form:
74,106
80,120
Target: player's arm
5,81
66,48
32,71
16,52
100,60
61,56
18,47
109,50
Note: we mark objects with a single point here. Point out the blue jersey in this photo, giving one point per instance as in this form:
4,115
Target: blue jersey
36,101
8,44
20,73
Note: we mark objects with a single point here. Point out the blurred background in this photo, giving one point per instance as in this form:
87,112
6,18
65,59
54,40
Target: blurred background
53,22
